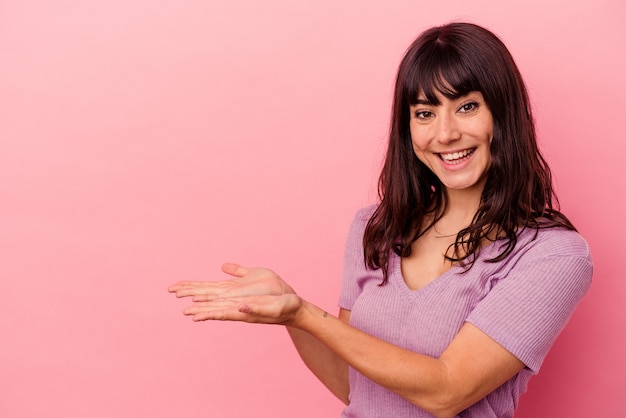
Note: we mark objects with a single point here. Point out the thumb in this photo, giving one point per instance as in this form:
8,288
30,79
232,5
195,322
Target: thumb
259,311
234,269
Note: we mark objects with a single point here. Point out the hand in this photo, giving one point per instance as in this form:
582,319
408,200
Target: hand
254,295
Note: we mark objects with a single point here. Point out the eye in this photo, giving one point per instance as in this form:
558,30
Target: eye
423,114
468,107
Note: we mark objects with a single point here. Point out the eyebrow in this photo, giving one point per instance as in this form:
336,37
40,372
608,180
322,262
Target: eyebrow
422,102
429,103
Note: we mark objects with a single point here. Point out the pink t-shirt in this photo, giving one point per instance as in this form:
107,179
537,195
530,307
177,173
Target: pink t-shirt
522,302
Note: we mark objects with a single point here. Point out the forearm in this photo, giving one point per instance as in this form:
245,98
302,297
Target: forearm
325,364
420,379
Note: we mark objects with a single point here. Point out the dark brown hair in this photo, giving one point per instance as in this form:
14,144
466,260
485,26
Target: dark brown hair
456,59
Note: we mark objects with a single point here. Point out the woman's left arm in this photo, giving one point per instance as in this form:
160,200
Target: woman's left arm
470,368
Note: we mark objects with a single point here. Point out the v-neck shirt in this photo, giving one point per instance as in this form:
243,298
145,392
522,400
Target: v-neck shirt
522,302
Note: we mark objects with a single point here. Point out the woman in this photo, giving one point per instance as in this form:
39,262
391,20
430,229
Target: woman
458,282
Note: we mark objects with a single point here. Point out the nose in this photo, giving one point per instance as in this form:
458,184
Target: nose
447,128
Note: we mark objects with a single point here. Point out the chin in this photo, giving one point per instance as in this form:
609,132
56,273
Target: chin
470,185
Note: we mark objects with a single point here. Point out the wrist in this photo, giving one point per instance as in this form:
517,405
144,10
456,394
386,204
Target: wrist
306,316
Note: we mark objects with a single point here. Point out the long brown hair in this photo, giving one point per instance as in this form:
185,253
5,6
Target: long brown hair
454,60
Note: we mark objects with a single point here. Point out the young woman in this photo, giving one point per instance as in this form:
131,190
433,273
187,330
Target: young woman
458,282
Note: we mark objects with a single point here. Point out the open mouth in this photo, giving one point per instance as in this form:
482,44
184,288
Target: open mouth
456,157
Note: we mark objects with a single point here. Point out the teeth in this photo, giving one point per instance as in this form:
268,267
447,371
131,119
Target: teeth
455,155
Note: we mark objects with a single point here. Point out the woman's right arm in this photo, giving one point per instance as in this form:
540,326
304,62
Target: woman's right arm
325,364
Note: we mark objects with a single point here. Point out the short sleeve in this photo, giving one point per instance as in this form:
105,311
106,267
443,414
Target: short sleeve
527,309
353,260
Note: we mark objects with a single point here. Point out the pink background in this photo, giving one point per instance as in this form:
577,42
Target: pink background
144,142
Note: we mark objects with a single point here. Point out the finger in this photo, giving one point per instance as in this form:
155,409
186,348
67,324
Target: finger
202,298
221,310
221,315
211,306
209,296
186,285
258,314
234,269
176,287
208,290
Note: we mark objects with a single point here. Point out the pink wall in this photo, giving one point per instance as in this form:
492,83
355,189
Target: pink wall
144,142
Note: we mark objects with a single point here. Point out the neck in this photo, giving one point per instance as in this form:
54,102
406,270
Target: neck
462,203
461,209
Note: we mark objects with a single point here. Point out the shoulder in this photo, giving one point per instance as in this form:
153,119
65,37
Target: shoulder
551,258
363,215
357,230
357,227
555,257
548,242
361,218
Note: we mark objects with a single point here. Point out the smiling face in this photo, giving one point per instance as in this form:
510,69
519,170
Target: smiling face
452,138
